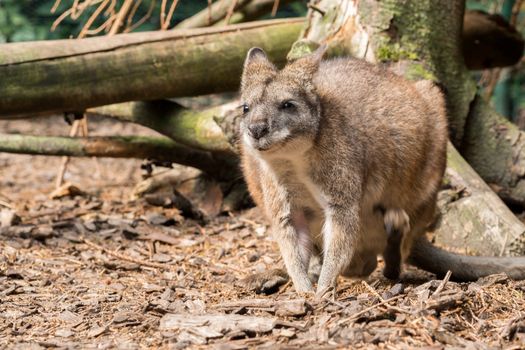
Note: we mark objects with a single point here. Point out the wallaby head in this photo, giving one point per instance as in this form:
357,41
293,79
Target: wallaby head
281,110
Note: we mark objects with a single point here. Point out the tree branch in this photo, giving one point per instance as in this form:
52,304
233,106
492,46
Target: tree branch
218,11
142,147
196,129
253,10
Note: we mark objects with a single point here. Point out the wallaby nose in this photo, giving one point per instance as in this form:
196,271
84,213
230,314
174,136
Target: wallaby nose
258,130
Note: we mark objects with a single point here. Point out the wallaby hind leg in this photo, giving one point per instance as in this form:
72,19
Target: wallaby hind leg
397,226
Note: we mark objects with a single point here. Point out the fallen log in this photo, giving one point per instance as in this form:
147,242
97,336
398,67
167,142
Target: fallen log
71,75
142,147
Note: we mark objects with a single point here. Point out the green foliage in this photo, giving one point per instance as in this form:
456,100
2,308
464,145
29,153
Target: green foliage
25,20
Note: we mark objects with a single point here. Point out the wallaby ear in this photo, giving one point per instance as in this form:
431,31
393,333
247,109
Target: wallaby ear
257,68
255,53
307,66
317,55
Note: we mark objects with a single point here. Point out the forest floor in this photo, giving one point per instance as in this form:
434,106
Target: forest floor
100,270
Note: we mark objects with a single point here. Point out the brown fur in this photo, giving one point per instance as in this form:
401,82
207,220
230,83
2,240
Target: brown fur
356,137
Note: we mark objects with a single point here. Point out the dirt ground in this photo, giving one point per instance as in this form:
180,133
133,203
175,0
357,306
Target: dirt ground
100,270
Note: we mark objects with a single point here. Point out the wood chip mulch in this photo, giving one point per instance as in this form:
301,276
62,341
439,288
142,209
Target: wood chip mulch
101,271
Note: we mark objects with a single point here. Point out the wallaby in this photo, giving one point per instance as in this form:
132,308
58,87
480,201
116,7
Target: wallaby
324,144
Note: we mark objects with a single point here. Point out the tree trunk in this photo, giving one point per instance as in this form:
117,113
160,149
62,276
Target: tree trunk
408,35
70,75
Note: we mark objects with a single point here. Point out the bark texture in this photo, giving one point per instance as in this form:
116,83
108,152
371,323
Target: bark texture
495,149
70,75
473,218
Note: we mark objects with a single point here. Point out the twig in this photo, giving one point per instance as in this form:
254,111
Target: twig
65,159
442,285
372,290
493,80
123,12
275,7
143,19
103,26
117,22
209,12
170,14
230,12
110,11
364,311
6,198
317,9
133,12
72,12
391,307
92,18
165,19
75,12
5,204
515,12
284,287
55,6
125,257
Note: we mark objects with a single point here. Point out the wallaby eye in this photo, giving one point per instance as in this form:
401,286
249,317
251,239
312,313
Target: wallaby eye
245,108
287,105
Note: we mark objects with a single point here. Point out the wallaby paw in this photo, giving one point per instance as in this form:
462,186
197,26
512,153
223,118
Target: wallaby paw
267,282
392,272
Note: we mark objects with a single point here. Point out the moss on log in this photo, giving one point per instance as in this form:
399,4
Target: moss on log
410,35
196,129
71,75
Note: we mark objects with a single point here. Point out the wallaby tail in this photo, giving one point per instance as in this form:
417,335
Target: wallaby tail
430,258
